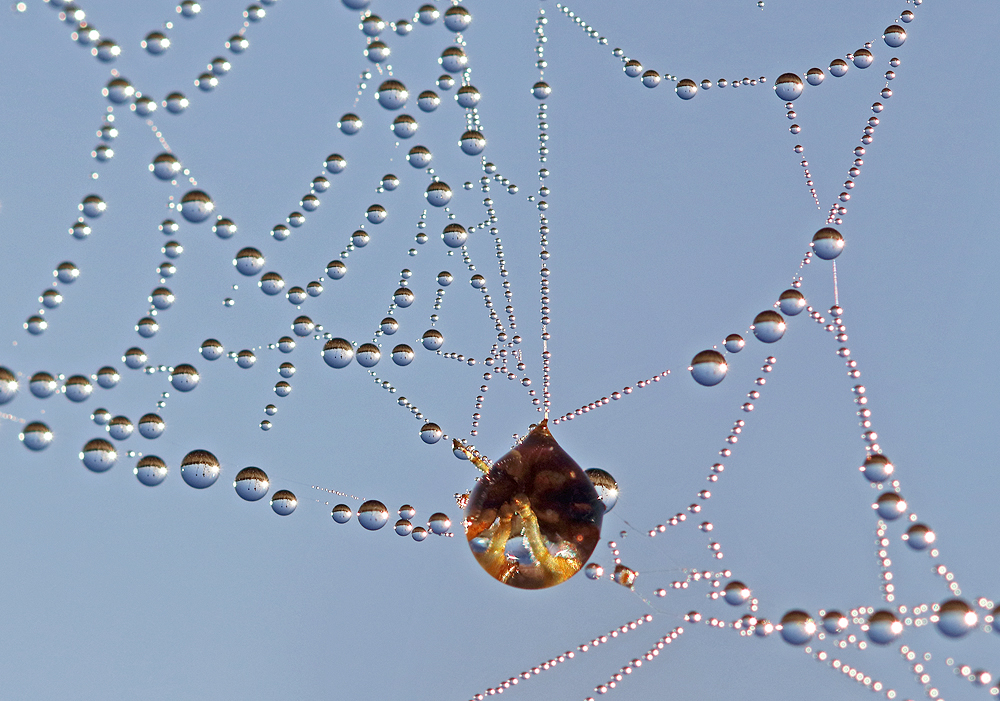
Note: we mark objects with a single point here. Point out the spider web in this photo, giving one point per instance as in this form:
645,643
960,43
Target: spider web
672,225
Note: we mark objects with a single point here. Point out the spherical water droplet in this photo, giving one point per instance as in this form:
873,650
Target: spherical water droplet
102,153
438,194
828,243
419,533
791,302
709,368
468,96
834,622
956,618
472,143
651,79
403,527
36,436
176,103
283,502
884,627
419,157
80,230
93,206
150,470
454,235
36,325
736,593
249,261
161,298
632,68
768,326
890,506
42,384
378,52
338,353
151,426
797,627
877,468
200,469
815,76
271,283
134,358
457,18
350,123
219,66
593,571
541,90
107,50
368,355
389,326
430,433
402,354
920,536
432,339
686,89
863,58
439,523
238,44
120,428
118,90
224,228
838,68
189,8
895,35
392,95
454,60
376,214
184,378
147,327
403,297
77,388
196,206
341,513
787,87
211,349
372,515
734,343
98,455
606,487
404,126
558,519
372,25
428,101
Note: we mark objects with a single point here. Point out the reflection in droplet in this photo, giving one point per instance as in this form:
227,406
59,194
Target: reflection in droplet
787,87
815,76
249,261
372,515
338,353
184,378
392,95
537,495
350,123
454,235
768,326
472,143
797,627
151,426
709,368
196,206
42,384
686,89
606,487
150,470
791,302
956,618
838,68
439,523
368,355
402,354
430,433
283,502
200,469
36,436
341,513
98,455
884,627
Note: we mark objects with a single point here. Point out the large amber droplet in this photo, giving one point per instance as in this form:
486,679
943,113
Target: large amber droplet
535,518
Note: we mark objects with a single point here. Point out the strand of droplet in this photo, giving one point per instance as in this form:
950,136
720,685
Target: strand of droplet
582,648
885,563
849,671
920,669
334,491
614,396
978,676
633,665
799,148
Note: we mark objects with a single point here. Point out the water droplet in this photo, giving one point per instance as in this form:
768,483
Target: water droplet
211,349
454,235
890,506
184,378
196,206
42,384
877,468
438,194
341,513
36,436
815,76
788,86
368,355
392,95
402,354
894,35
118,91
439,523
884,627
768,326
98,455
376,214
432,339
956,618
372,515
283,502
457,18
200,469
77,389
338,353
797,627
736,593
606,487
93,206
150,470
838,68
378,52
709,368
834,622
249,261
350,123
151,426
176,103
535,495
472,143
919,536
430,433
454,60
686,89
791,302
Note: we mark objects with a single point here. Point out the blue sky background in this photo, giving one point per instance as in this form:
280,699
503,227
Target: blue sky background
672,223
